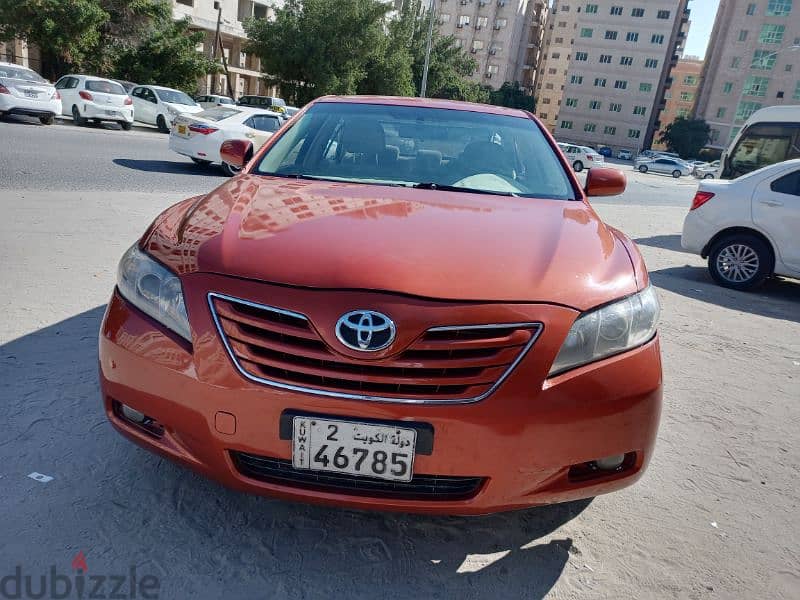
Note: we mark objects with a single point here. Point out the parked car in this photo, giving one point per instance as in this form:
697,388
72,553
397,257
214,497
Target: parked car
667,166
25,92
748,227
290,111
310,330
625,155
156,105
86,97
707,171
200,136
581,157
605,151
212,100
127,85
271,102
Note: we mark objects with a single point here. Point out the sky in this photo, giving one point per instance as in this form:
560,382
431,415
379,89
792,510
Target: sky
702,21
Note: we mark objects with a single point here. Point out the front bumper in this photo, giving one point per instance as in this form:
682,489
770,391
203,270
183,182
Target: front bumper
522,440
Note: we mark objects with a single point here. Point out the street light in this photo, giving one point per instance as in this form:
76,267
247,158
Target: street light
761,60
424,85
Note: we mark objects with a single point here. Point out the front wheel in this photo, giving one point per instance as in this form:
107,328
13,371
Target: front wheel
77,118
643,169
161,123
47,120
676,173
125,125
708,176
740,262
230,170
577,166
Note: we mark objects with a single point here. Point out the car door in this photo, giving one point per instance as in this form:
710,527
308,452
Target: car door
138,104
662,165
260,127
776,211
67,86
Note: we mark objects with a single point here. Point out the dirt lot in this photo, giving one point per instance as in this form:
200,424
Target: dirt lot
714,517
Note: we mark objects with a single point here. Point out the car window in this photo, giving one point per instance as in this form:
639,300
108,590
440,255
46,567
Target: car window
411,145
218,113
202,99
264,122
149,95
61,83
21,73
764,144
106,87
788,184
223,100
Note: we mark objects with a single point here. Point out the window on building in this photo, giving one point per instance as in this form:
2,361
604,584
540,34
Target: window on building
591,8
595,105
565,8
559,40
721,112
477,45
605,59
735,62
645,87
714,135
444,17
500,23
566,124
615,107
546,100
571,102
459,43
662,14
481,22
600,82
548,86
634,133
562,23
626,61
590,127
779,8
553,55
186,2
552,71
763,60
651,63
463,20
687,96
620,84
637,12
779,95
788,67
616,10
756,86
683,112
771,34
610,130
632,36
743,35
639,110
657,39
544,116
586,32
751,9
727,87
690,80
576,79
668,94
611,35
745,109
796,95
581,56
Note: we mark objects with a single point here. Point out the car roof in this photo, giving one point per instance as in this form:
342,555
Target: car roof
427,103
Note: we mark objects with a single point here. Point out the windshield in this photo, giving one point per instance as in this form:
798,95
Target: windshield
21,73
217,114
175,97
107,87
761,145
423,147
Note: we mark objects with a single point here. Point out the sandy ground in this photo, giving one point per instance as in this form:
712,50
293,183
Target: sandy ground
714,517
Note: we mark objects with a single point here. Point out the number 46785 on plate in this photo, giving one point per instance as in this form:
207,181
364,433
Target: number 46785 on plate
354,448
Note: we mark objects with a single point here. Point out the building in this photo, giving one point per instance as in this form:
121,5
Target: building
504,36
244,70
20,53
681,96
605,69
752,61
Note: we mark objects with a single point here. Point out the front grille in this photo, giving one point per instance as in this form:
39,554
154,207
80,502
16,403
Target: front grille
448,364
421,487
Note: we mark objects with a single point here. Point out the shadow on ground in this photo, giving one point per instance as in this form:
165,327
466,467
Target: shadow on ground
123,507
666,242
168,166
778,298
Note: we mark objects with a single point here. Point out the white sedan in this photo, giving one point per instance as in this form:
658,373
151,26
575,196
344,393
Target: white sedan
86,97
25,92
199,136
156,105
581,157
664,165
748,227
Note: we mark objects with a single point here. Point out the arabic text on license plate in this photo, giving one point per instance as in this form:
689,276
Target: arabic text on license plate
30,94
364,449
111,112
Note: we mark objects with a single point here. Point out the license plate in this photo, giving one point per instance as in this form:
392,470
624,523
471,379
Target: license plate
30,94
182,130
111,112
364,449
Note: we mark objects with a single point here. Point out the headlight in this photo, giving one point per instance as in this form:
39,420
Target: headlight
609,330
154,290
173,111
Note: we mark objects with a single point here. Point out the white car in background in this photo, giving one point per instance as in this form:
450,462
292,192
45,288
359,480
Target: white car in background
86,97
200,136
156,105
581,157
748,227
212,100
661,164
25,92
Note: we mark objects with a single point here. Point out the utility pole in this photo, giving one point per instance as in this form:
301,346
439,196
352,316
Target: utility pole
432,15
218,8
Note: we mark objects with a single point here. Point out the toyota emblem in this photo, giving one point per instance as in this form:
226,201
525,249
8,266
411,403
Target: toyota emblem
365,330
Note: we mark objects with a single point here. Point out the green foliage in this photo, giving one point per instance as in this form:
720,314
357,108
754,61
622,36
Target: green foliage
686,136
512,95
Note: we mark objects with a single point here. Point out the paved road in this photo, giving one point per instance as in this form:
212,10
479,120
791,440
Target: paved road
714,517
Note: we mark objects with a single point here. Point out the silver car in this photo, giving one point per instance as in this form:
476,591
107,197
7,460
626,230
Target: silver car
667,166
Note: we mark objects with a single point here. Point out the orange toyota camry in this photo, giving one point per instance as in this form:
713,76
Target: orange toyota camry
398,304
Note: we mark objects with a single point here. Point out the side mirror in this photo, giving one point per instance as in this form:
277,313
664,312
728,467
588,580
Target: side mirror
235,152
604,181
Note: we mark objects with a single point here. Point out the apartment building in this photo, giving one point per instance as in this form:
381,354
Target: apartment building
19,52
227,16
606,67
504,36
752,61
681,96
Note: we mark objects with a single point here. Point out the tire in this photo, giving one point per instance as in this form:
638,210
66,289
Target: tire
77,118
708,176
200,161
161,123
642,168
96,121
47,120
229,170
676,173
740,261
577,166
125,125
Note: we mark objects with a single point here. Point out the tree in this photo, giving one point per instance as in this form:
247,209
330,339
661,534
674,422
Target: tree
686,136
513,96
65,32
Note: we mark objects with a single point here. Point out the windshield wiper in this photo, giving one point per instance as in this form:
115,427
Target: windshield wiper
332,179
430,185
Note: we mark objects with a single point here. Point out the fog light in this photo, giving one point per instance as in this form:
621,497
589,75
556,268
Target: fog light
609,463
132,414
139,419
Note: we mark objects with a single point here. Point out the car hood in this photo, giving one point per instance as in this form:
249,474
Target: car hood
428,243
